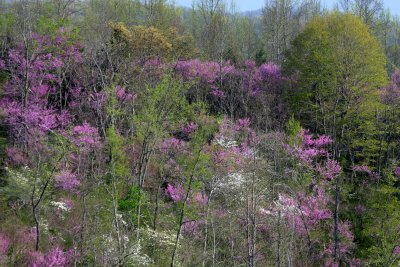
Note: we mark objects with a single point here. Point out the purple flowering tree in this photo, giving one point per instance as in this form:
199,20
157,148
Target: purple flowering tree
316,210
36,108
248,91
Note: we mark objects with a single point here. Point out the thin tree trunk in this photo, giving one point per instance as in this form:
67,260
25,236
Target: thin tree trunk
214,242
183,209
115,212
336,222
206,233
278,242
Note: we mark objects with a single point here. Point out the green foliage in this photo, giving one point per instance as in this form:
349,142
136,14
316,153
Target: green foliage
340,67
46,25
260,57
232,55
161,109
118,158
373,210
7,21
130,203
381,232
131,200
293,130
18,185
3,144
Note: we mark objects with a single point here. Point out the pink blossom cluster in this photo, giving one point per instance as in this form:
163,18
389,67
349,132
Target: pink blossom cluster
171,144
48,54
304,213
192,227
254,80
189,128
123,95
5,244
360,209
367,170
361,168
233,139
390,94
232,158
177,193
319,142
270,71
86,136
67,181
310,148
313,208
242,124
35,98
34,118
97,100
330,170
200,198
260,79
207,71
68,203
397,171
16,156
314,211
217,93
56,257
345,246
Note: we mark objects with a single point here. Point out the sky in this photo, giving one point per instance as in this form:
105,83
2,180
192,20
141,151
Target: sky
247,5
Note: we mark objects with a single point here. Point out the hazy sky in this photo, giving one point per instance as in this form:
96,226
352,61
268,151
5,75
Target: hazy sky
245,5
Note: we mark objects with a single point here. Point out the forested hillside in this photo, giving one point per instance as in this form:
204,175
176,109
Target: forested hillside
140,133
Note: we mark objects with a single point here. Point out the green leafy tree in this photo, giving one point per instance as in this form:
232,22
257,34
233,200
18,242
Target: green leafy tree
339,67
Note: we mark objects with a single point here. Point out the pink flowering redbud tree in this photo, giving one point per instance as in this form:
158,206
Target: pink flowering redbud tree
36,108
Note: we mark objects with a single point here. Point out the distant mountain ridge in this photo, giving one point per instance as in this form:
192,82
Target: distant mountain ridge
252,13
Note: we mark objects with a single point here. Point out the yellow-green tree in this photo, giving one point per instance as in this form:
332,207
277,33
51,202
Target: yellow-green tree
144,43
339,67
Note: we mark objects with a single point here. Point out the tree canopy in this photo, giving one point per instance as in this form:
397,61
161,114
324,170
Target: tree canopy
340,67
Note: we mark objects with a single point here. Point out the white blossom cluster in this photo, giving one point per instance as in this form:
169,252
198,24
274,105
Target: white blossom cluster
225,143
44,226
266,212
162,238
60,205
133,252
20,177
19,184
233,181
137,258
285,205
110,244
120,218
